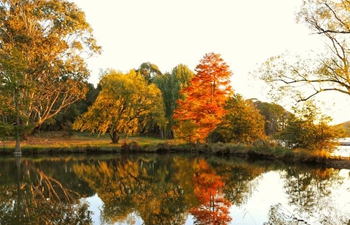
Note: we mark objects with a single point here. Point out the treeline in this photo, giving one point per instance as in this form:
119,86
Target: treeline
43,74
147,101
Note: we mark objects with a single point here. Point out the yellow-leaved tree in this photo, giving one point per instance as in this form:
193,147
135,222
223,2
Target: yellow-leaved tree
125,105
242,123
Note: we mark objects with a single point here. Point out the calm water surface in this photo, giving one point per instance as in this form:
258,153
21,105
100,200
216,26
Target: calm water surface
169,189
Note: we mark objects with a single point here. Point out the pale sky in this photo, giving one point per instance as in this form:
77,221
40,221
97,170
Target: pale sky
167,33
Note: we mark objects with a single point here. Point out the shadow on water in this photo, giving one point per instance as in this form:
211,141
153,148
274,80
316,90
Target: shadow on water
169,189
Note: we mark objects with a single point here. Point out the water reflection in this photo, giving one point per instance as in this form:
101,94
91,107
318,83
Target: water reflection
213,207
307,188
169,189
30,195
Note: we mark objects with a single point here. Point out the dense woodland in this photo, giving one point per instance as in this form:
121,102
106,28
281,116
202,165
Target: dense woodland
43,84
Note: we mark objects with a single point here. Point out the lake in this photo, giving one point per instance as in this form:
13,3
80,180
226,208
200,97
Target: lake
169,189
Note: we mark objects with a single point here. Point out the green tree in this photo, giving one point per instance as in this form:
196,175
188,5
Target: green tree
125,105
83,104
242,123
149,71
43,47
170,84
275,116
328,70
309,129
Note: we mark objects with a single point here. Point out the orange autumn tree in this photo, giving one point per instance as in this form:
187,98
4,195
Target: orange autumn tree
214,207
202,105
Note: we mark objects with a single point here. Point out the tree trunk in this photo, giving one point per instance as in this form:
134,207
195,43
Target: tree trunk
114,137
18,151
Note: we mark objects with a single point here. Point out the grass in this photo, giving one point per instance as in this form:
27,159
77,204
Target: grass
57,143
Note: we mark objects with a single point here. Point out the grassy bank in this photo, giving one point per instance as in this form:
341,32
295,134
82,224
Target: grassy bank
57,143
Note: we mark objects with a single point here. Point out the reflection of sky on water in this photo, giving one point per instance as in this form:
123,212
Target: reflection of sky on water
268,190
342,194
96,204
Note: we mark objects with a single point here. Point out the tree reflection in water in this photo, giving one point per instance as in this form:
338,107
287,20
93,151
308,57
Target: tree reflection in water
308,189
166,189
141,186
169,189
37,198
278,215
214,207
308,192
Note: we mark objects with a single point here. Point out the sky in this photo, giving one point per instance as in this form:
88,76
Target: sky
168,32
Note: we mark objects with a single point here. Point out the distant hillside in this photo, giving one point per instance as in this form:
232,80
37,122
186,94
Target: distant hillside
346,126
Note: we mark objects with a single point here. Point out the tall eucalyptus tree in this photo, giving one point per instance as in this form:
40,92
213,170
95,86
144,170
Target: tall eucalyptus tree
43,48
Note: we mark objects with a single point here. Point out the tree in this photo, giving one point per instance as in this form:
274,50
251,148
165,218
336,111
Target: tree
149,71
242,123
125,105
328,71
170,84
202,106
63,120
309,129
275,116
43,45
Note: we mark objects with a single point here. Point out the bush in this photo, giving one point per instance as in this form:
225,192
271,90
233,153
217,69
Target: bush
130,146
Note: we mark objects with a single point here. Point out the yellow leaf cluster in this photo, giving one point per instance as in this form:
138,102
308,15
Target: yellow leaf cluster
125,105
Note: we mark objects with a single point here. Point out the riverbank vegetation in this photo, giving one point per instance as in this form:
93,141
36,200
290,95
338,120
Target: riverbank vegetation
57,143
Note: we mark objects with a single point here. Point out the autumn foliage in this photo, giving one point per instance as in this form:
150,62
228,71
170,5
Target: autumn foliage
126,105
202,106
213,208
242,123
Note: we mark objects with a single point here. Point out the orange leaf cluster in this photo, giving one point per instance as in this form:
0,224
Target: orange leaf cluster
202,106
214,208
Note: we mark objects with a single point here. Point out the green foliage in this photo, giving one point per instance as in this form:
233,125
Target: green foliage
125,105
309,129
275,116
64,119
6,130
43,47
170,84
149,71
242,123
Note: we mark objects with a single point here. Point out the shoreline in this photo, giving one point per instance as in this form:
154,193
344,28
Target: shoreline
254,153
